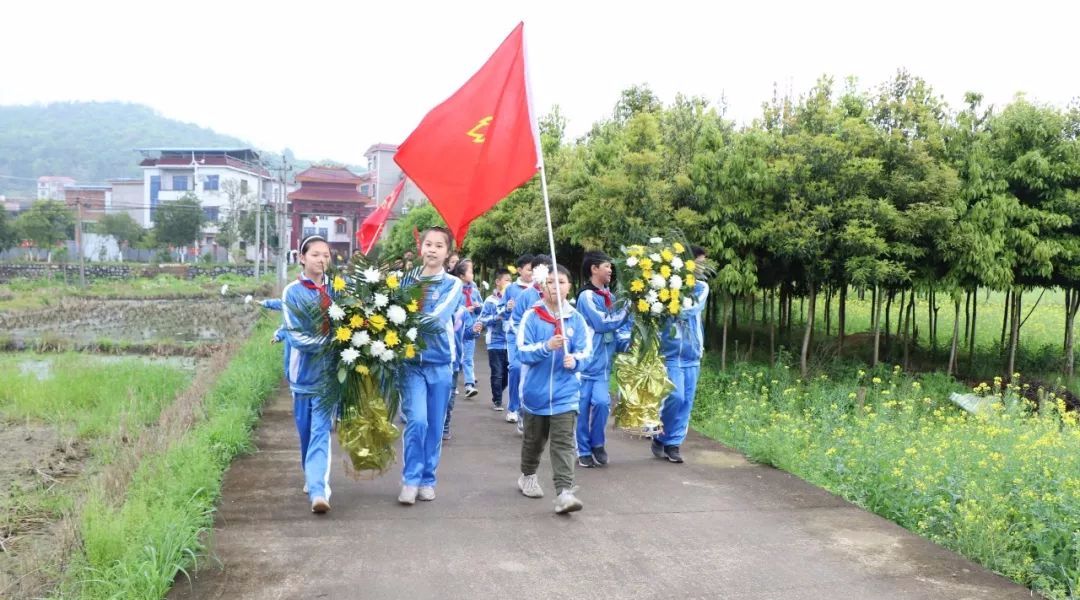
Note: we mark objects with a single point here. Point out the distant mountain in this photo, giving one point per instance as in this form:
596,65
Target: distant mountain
92,142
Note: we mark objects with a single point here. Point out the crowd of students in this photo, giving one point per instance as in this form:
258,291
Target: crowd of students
550,354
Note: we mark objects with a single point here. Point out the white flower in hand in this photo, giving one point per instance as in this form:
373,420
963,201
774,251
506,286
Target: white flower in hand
360,338
224,289
396,314
372,275
657,282
656,308
377,348
387,355
677,263
656,240
652,296
411,334
540,274
349,355
336,312
687,303
656,258
247,299
676,282
485,285
381,300
632,261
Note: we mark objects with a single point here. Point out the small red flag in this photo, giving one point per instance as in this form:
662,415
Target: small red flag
416,237
373,224
477,146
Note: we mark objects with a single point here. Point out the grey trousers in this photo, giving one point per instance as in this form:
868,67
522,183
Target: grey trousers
560,430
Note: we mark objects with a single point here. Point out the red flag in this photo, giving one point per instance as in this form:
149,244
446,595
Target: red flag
374,222
416,237
477,146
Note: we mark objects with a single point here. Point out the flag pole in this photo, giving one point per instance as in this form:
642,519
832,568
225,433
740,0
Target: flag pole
551,242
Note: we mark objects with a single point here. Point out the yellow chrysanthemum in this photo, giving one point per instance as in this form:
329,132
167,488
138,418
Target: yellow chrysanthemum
665,271
673,307
636,251
675,293
356,321
637,285
690,265
512,269
339,283
392,281
413,306
679,247
667,255
362,369
646,264
689,281
391,339
410,350
646,273
343,334
665,295
377,322
642,306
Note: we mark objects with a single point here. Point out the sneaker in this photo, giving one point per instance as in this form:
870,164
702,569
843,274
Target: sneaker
600,456
497,407
511,416
320,506
305,489
567,502
658,449
408,494
446,436
521,427
586,461
426,493
529,486
673,454
471,391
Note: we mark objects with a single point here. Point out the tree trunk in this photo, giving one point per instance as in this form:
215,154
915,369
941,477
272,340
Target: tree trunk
772,326
723,336
841,318
753,330
806,333
888,314
974,323
733,300
1005,319
955,337
1014,337
875,311
909,330
828,310
1072,304
967,316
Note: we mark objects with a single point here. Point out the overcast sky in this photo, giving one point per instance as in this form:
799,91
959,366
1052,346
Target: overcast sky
328,79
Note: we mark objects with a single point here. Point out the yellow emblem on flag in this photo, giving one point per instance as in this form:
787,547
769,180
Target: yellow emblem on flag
475,132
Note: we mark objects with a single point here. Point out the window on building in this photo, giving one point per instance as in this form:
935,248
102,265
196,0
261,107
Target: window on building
340,227
179,182
211,213
365,190
155,187
243,187
211,183
324,232
309,231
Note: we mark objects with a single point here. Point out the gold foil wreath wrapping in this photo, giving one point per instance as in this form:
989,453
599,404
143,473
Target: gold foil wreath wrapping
643,384
367,433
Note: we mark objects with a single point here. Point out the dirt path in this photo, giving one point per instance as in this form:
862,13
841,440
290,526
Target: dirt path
715,527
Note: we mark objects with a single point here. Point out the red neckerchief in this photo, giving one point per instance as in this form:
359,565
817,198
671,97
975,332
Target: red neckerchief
606,294
324,300
545,316
468,295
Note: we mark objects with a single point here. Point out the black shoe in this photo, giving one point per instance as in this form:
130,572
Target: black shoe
599,455
658,449
586,461
672,453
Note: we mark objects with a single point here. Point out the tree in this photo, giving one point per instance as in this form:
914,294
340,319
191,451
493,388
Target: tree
122,227
240,198
8,236
47,224
178,222
400,237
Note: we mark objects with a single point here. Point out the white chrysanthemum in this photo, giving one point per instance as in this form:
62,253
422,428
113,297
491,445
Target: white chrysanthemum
687,303
656,258
485,285
381,300
677,263
247,299
396,314
377,348
652,296
656,308
676,282
657,282
656,240
349,355
224,289
336,312
411,334
632,261
372,275
360,338
387,355
540,274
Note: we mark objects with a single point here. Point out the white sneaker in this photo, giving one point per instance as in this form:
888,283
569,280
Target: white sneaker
426,493
521,428
319,505
530,486
408,494
567,502
511,416
471,391
305,488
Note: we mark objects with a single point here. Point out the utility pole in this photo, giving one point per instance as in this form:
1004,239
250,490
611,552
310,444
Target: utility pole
78,242
282,213
258,221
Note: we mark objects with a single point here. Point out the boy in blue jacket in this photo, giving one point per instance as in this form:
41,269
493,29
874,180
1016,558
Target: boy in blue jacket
493,320
464,320
554,344
307,365
524,283
523,301
597,304
682,342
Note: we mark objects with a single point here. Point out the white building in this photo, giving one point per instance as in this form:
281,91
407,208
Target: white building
385,174
50,187
128,197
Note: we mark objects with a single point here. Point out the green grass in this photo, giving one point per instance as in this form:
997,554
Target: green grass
85,393
136,548
1001,488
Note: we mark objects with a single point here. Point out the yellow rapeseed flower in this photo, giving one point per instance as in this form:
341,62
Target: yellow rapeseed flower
391,339
356,321
667,255
679,247
392,281
637,285
339,283
642,306
665,270
413,306
343,334
410,350
377,322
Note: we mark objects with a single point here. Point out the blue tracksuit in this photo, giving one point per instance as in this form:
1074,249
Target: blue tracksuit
548,388
493,318
425,381
682,342
307,366
605,322
470,295
515,292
